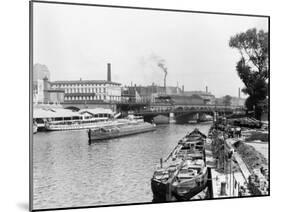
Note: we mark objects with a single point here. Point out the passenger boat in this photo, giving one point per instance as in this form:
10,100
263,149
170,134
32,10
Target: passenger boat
184,173
78,124
59,119
119,130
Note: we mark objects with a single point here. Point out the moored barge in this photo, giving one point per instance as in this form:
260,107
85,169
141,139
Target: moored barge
119,130
184,173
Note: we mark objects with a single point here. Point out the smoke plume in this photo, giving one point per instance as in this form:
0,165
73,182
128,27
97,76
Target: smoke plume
155,62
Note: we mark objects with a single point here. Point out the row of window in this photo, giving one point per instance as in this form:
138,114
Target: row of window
98,97
82,85
85,90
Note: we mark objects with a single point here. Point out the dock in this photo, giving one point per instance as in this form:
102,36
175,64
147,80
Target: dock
227,183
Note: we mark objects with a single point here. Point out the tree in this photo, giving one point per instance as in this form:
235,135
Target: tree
227,100
252,67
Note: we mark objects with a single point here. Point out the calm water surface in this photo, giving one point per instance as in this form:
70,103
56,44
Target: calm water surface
68,172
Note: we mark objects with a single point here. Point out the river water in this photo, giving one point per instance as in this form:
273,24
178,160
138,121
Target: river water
68,172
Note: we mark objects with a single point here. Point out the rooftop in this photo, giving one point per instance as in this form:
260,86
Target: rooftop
53,113
84,82
58,112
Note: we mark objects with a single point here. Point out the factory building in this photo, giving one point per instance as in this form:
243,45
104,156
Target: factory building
90,91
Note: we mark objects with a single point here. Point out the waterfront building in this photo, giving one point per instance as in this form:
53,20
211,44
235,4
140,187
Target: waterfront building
44,94
38,91
40,71
90,91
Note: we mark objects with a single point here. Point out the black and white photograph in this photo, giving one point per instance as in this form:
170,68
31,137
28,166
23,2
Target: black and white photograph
146,105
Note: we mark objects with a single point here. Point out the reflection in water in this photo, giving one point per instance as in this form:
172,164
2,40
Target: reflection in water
68,172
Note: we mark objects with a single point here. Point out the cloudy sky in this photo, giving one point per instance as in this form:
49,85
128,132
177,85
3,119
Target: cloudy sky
78,41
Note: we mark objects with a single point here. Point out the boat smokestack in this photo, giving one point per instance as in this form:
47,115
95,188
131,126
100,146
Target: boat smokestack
108,72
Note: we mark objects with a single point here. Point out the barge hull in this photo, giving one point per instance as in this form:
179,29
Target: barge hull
192,192
120,134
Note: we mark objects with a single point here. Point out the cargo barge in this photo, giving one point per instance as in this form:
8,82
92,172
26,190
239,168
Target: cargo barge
184,173
119,130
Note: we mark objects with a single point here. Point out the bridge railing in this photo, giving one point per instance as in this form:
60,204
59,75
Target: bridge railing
181,108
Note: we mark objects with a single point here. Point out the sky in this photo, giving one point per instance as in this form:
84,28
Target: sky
78,41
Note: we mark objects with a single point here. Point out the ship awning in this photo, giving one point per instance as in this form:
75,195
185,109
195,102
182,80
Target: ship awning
54,113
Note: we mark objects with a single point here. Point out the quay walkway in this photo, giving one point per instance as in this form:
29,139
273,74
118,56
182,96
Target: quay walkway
227,184
243,167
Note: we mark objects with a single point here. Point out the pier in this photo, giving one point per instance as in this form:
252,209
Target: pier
231,175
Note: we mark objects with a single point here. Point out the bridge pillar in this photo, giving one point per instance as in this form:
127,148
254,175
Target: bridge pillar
196,116
215,116
172,118
202,116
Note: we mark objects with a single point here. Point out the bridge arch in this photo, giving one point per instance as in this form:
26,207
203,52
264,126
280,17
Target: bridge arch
179,108
73,108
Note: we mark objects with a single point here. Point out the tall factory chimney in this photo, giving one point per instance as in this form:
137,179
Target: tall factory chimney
109,72
206,89
182,88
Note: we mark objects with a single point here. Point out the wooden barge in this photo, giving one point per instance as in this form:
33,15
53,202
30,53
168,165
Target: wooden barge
184,173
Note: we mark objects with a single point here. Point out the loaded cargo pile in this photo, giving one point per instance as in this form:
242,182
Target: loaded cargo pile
250,155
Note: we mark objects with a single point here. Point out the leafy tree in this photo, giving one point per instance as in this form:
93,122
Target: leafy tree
227,100
252,67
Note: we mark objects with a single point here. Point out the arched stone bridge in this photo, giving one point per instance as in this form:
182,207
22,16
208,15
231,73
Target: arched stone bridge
183,113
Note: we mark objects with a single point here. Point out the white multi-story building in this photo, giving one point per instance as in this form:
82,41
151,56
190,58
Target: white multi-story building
89,90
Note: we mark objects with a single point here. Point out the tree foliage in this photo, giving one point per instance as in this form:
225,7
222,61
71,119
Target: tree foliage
227,100
252,67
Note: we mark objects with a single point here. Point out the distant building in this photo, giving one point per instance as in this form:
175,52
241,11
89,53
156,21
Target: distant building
90,91
38,91
183,99
147,93
131,95
173,90
40,71
234,101
44,94
208,97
